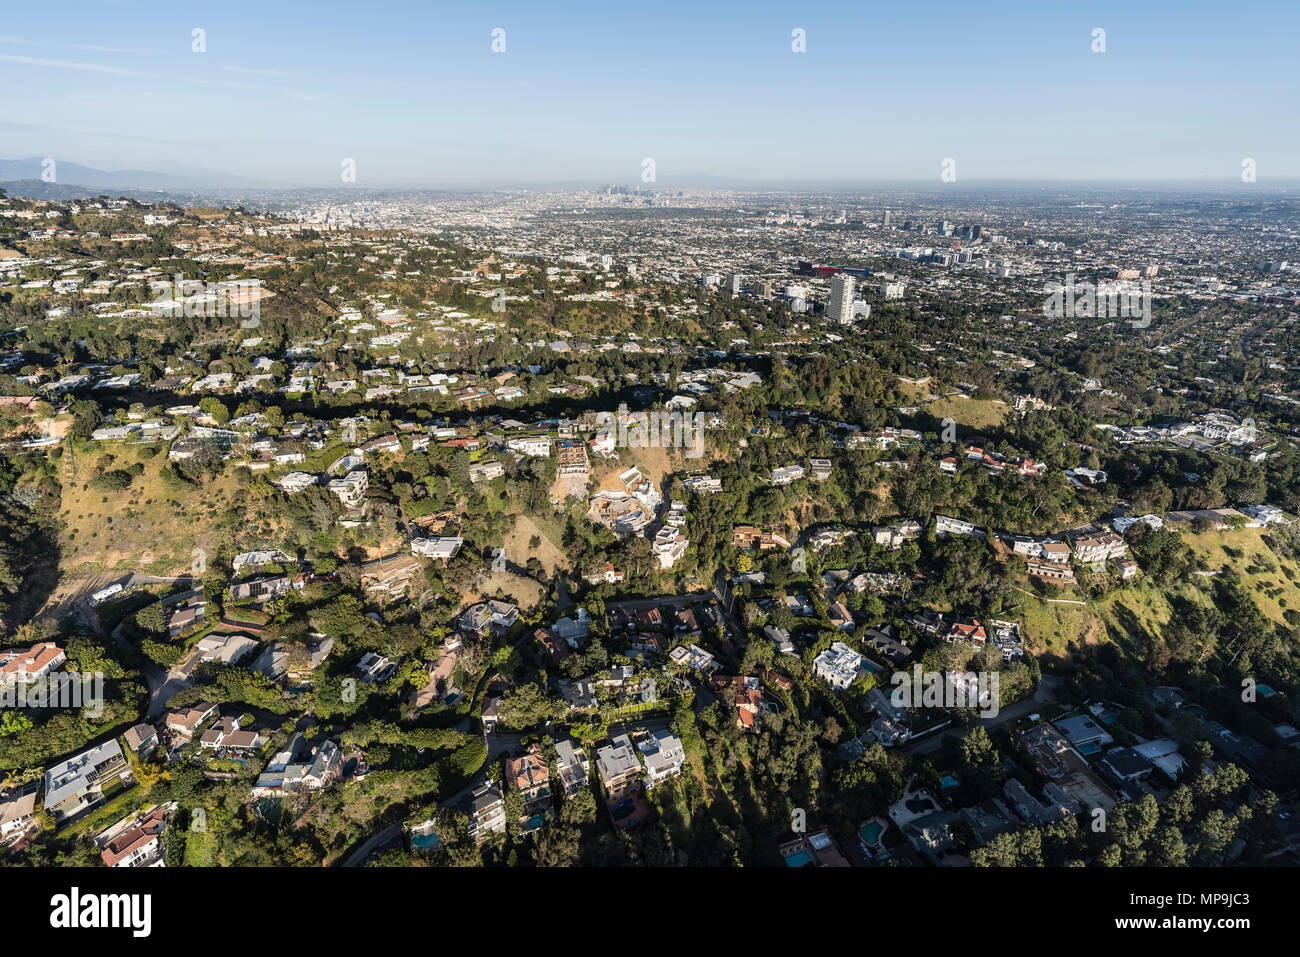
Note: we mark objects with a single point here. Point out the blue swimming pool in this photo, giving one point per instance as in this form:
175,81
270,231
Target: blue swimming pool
799,859
870,832
425,841
948,781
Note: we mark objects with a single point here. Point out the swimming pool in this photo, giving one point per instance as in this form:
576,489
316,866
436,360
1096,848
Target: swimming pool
947,781
427,840
870,832
799,859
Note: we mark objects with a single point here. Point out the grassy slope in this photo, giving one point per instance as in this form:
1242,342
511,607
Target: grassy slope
146,528
1128,614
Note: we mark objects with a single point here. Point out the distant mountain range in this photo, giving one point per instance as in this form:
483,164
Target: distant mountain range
68,173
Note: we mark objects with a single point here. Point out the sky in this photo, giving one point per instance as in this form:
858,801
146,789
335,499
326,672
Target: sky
413,93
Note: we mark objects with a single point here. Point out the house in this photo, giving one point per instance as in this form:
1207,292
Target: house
1099,548
444,549
820,469
841,617
260,589
227,735
185,723
532,445
531,777
17,812
779,637
351,489
894,537
800,606
684,622
648,642
374,668
487,812
839,665
1164,755
1125,568
486,471
227,649
814,850
1050,572
1006,635
967,629
26,665
1125,765
943,525
500,616
778,680
549,646
1083,732
580,694
664,755
744,694
439,687
141,739
384,444
618,766
573,631
884,642
669,546
279,659
572,766
85,780
787,474
186,616
608,575
299,767
694,657
137,841
650,618
255,559
746,537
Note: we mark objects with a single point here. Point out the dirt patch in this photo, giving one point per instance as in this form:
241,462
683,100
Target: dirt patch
523,591
519,548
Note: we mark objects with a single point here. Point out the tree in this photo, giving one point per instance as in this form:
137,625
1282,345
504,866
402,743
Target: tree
526,706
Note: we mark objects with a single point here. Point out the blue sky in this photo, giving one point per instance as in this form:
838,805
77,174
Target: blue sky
414,94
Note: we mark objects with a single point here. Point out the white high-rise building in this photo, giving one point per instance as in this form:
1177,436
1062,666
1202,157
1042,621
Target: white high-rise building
839,306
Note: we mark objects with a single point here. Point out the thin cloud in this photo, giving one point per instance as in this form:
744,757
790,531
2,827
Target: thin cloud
126,50
92,48
71,65
44,127
253,72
